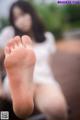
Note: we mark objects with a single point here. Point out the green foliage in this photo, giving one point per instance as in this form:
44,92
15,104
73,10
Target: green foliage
52,16
72,15
3,22
58,19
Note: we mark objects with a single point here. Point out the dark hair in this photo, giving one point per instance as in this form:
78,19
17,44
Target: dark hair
37,25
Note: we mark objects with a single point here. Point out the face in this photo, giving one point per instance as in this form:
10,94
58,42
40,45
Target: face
22,21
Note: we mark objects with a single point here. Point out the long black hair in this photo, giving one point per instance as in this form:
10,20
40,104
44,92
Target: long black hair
37,25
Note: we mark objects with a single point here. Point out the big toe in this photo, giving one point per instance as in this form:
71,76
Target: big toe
26,40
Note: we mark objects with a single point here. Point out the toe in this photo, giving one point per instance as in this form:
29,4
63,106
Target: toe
17,40
26,40
13,43
7,51
10,46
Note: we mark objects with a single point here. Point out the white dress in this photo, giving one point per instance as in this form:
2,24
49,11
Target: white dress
42,71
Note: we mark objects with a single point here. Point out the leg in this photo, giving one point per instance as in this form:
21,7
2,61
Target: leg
50,100
19,63
5,105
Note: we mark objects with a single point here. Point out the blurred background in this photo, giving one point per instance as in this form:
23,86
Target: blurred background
64,22
59,19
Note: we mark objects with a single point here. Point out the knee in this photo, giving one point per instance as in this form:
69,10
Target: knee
56,108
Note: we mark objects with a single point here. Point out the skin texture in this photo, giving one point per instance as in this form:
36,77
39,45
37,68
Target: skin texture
19,63
20,73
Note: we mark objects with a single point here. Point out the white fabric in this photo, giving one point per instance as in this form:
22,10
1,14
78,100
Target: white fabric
5,35
42,72
6,88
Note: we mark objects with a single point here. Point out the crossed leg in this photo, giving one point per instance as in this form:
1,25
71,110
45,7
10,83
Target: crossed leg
50,100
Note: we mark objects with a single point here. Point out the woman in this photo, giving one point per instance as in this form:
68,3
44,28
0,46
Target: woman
44,91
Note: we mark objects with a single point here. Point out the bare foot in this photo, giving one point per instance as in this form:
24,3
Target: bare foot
19,63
